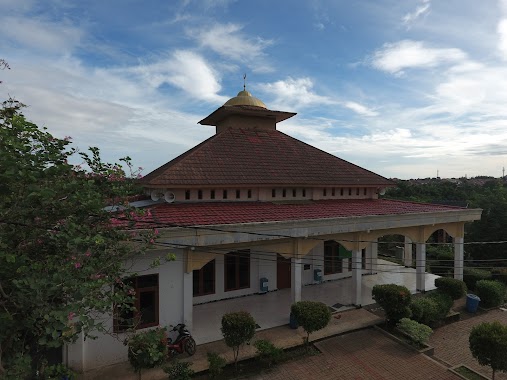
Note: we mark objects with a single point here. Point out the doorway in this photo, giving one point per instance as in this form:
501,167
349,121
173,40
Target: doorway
283,272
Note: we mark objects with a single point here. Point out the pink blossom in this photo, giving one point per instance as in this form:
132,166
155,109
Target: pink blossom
77,265
155,231
71,316
88,253
152,241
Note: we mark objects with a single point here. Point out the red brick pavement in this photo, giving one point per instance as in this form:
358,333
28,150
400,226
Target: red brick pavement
361,355
451,341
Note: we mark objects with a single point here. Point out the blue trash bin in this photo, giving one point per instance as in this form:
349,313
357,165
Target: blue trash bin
472,303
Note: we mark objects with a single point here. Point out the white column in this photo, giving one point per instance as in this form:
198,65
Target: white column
420,258
74,354
295,266
458,257
188,297
356,277
407,252
374,256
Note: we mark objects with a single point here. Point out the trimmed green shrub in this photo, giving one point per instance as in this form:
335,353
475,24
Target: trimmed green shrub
311,316
499,274
491,293
179,370
453,287
394,299
443,264
472,275
418,332
147,349
488,344
238,328
424,310
216,364
443,301
268,352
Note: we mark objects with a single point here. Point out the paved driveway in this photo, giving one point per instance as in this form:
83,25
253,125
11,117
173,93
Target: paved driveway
365,354
451,341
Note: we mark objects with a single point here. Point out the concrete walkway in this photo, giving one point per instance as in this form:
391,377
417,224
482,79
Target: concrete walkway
281,336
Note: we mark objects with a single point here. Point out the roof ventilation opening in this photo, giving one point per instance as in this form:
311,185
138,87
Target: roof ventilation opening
169,197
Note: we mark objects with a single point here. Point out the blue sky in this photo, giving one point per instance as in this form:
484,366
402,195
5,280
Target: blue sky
403,88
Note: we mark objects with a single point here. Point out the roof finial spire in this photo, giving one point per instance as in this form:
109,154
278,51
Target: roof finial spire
244,82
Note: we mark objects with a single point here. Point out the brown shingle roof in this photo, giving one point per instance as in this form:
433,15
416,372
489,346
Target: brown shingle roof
259,157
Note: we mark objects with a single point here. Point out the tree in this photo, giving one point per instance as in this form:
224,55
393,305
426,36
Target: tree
238,328
394,299
147,349
311,315
488,343
61,251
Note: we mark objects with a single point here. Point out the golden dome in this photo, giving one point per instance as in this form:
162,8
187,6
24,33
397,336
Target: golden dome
244,98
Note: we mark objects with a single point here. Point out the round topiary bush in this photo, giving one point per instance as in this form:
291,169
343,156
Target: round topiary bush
491,293
238,328
472,275
311,315
394,299
453,287
424,310
443,301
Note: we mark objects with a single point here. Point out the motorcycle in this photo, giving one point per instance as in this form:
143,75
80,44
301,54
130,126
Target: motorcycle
183,342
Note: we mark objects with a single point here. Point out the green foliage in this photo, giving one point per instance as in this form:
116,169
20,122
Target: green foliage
394,299
491,293
472,275
61,251
443,259
431,307
17,366
453,287
311,315
178,370
268,352
443,301
418,332
216,364
57,371
488,344
147,349
424,310
499,274
238,328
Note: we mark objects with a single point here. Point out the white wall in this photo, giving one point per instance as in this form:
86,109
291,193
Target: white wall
107,349
255,261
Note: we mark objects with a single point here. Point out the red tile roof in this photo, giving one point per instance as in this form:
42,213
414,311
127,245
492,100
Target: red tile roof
246,157
189,214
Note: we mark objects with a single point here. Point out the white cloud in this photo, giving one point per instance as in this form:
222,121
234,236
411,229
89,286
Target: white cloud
186,70
229,41
40,35
395,57
502,38
421,10
298,93
295,93
360,109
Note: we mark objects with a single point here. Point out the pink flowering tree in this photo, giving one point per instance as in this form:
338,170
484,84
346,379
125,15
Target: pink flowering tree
62,253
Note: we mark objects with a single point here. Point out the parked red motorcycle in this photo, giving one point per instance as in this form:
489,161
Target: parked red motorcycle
183,342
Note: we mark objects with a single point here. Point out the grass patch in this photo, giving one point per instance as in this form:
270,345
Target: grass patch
469,373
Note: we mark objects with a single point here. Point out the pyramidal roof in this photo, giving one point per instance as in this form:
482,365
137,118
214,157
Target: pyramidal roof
248,150
244,157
